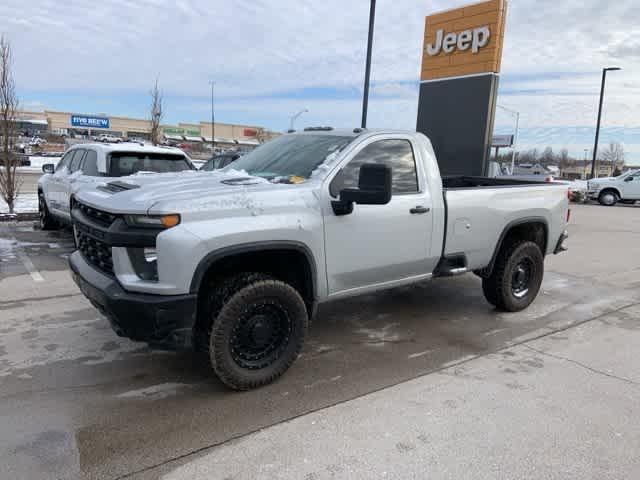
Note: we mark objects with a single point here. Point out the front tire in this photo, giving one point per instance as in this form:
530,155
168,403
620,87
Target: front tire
608,198
516,277
258,331
47,222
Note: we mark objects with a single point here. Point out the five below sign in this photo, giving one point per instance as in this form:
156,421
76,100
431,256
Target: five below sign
89,122
474,39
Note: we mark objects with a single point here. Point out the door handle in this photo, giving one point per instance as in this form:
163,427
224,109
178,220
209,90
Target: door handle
419,209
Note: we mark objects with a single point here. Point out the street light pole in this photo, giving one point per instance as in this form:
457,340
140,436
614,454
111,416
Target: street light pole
294,117
515,137
595,145
367,70
213,127
586,156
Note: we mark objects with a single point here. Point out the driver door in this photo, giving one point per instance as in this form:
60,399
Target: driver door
379,245
631,187
54,187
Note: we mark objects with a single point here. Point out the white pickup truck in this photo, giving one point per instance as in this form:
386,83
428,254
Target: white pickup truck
234,262
611,190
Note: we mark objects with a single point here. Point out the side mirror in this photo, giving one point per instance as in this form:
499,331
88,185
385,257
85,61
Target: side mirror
629,179
48,168
374,188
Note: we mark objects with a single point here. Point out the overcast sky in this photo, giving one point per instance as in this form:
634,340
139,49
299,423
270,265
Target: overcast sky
272,58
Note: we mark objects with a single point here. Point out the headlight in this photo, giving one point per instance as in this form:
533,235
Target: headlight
153,221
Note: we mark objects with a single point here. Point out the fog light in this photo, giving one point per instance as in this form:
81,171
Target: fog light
150,255
144,262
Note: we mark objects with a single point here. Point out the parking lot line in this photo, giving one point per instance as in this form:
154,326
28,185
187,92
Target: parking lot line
28,264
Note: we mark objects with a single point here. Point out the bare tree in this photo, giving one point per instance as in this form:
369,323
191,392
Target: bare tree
614,154
9,180
156,112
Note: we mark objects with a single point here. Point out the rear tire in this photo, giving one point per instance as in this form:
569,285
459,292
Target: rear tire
516,277
608,198
47,222
258,330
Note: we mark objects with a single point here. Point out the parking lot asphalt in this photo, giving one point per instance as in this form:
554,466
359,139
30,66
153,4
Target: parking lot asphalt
76,401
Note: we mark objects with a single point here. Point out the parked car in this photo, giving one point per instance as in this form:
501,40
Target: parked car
235,262
108,138
37,141
220,161
611,190
88,165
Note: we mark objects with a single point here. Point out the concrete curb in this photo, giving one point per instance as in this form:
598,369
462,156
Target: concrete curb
18,217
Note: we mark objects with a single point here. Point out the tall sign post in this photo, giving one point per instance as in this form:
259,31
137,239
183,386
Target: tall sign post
459,84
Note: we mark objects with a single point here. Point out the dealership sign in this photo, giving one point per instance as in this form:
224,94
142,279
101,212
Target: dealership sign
476,39
464,41
502,141
89,122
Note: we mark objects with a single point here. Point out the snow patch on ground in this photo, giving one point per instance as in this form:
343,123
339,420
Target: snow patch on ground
155,392
25,203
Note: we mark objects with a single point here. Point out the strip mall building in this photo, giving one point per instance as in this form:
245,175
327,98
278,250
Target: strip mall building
68,123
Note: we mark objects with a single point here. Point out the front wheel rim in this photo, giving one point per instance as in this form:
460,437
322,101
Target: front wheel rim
609,199
260,335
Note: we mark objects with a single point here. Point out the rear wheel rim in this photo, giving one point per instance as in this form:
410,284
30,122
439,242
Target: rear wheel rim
260,335
521,278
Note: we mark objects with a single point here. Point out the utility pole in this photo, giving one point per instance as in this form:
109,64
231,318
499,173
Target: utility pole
595,145
367,70
213,119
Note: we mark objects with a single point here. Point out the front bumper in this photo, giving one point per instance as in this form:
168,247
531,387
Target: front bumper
593,194
163,321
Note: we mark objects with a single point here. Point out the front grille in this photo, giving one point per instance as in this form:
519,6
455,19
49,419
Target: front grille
99,216
95,252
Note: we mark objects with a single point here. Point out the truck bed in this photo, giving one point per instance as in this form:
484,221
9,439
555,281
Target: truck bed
461,181
479,209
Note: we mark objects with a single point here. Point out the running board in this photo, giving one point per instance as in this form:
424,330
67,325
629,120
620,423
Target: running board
451,265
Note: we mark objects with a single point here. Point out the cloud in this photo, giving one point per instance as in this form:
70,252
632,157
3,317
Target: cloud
272,58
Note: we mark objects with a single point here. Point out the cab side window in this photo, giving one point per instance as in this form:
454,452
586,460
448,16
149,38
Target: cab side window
90,165
397,154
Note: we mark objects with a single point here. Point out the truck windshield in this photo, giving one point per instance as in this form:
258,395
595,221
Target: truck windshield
290,156
128,163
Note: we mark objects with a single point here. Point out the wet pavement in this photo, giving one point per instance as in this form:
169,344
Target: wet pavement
76,401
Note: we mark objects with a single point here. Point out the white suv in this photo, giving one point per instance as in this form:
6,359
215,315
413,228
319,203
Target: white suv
611,190
88,165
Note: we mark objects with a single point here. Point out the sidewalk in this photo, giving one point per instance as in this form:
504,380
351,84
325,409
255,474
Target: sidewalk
561,406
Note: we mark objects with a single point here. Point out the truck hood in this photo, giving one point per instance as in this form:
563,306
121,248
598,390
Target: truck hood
603,179
173,192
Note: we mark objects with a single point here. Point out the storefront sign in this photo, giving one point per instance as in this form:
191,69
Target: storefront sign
249,132
181,131
89,122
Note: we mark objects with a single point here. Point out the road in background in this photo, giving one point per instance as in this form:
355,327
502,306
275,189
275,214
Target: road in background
77,401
